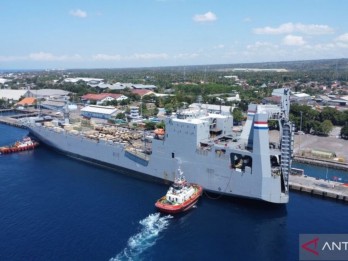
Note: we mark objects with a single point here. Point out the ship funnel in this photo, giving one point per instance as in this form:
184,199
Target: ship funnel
261,143
247,133
66,113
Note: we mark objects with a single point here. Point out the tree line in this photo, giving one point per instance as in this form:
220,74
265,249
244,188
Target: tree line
318,122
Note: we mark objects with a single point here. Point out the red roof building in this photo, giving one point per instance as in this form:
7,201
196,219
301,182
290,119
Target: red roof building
103,97
142,92
29,101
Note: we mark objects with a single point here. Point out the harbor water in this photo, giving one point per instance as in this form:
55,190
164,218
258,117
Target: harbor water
57,208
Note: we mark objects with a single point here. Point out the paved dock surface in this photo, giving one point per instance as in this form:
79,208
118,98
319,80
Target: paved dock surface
320,187
11,121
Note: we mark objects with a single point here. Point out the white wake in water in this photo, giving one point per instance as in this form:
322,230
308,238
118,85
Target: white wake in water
147,237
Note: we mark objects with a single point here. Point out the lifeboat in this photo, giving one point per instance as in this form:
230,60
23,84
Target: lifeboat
180,197
26,144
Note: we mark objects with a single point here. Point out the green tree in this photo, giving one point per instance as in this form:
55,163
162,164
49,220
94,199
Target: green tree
161,125
3,103
110,103
344,132
273,125
124,102
326,126
313,127
331,114
150,125
121,116
237,115
169,108
309,117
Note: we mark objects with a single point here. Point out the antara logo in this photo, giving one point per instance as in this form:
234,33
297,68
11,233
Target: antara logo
324,247
311,246
339,246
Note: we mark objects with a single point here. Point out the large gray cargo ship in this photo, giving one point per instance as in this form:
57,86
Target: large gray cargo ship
209,152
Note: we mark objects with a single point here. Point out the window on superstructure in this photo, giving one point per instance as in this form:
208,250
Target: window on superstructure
274,161
241,162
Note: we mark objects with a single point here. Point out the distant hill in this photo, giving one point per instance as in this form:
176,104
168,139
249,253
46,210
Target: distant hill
307,65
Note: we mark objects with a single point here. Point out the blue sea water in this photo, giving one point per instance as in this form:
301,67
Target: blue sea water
56,208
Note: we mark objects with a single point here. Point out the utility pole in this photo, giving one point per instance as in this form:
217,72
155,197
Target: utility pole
299,146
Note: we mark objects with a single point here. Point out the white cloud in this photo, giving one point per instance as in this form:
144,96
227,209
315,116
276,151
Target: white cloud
11,58
287,28
78,13
41,56
135,56
261,45
342,45
260,51
207,17
320,48
293,40
342,38
314,29
148,56
294,48
106,57
185,56
219,46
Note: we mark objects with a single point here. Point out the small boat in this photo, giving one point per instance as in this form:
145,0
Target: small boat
180,197
296,172
26,144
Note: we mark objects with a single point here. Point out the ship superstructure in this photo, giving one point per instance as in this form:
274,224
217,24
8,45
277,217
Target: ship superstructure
243,164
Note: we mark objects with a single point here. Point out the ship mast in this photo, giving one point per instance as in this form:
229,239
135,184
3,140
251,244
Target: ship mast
66,113
286,137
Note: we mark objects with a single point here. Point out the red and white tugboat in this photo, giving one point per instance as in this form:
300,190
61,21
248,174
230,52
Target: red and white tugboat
180,197
26,144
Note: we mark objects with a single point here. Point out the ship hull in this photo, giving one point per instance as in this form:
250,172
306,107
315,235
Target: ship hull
161,167
8,150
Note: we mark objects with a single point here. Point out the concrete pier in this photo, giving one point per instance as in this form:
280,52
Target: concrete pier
11,121
23,115
318,187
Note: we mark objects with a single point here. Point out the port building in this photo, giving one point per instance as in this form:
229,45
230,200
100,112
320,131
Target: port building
49,94
98,111
12,95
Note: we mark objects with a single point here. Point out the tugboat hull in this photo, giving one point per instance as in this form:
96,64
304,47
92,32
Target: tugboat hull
166,207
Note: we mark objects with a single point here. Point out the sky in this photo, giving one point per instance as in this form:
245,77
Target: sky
67,34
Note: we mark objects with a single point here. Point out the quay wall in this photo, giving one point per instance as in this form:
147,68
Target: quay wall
319,192
321,162
319,187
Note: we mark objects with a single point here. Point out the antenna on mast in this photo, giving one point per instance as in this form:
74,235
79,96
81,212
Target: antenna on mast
284,94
